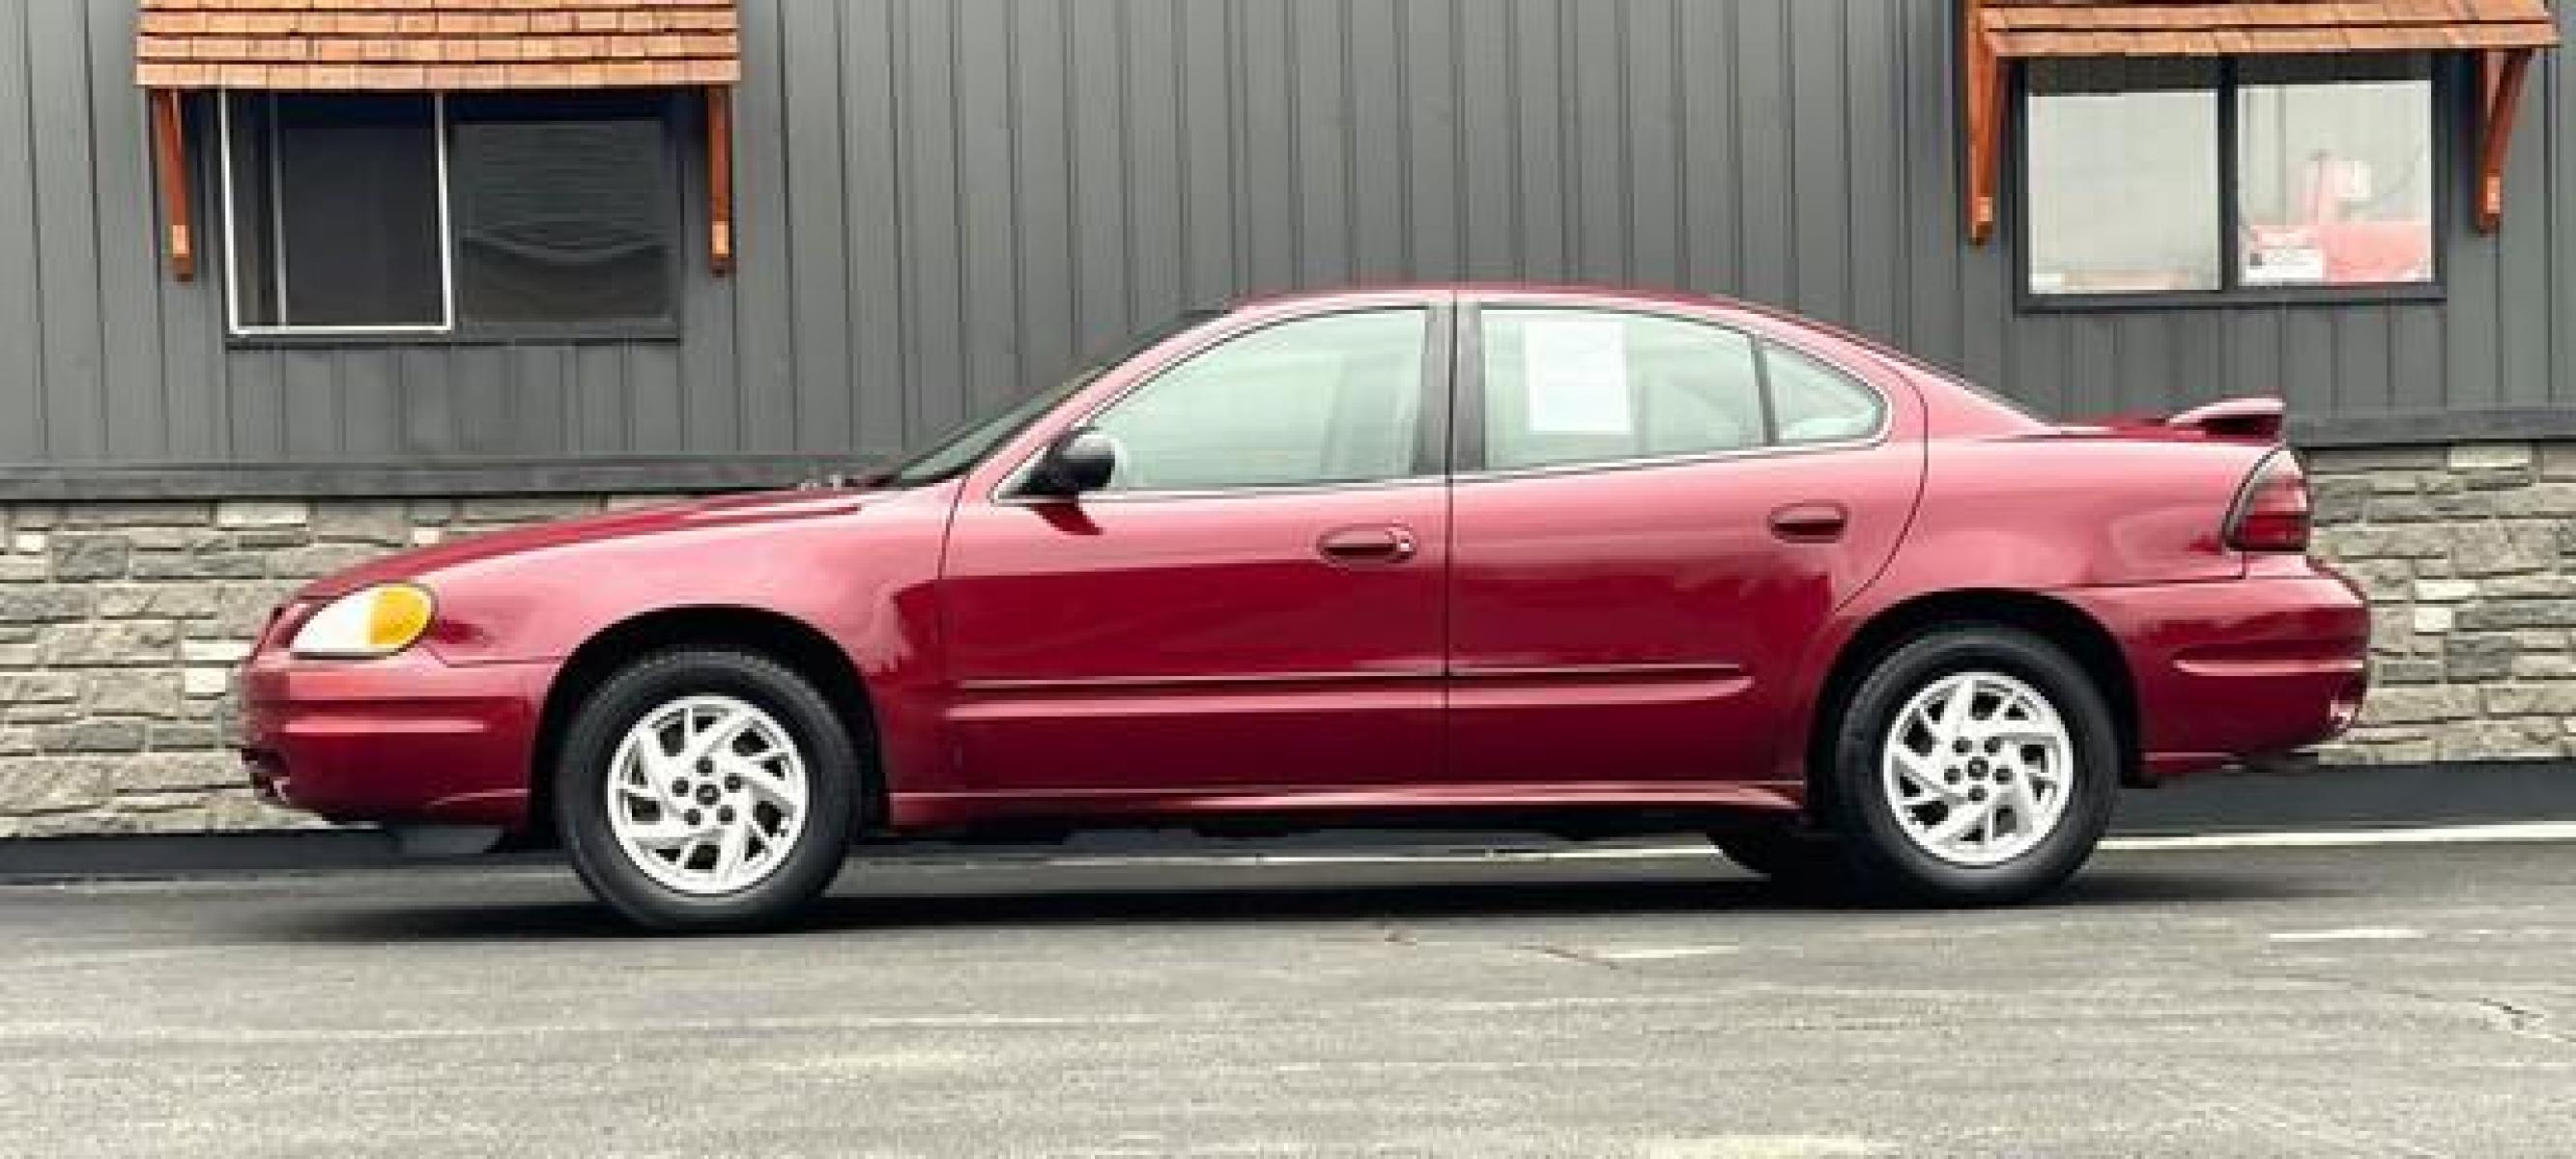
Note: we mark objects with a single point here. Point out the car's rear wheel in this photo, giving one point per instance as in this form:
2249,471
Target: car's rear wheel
706,789
1975,764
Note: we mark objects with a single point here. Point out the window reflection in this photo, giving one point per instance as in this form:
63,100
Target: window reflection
2124,177
2335,171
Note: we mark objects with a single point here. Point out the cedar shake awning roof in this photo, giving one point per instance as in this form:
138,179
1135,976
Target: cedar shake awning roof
420,45
2045,28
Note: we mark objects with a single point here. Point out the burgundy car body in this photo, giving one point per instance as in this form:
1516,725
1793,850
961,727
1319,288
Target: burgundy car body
1650,635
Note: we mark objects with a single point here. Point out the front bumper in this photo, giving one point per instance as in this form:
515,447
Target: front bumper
407,738
2238,670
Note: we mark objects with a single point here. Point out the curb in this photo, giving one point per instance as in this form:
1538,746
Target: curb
2316,798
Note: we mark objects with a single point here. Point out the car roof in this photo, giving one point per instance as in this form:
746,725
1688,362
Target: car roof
1592,293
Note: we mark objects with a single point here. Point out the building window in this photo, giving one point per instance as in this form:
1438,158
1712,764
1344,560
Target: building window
467,214
2204,177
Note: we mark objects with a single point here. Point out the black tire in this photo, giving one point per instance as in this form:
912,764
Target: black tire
833,770
1888,865
1803,863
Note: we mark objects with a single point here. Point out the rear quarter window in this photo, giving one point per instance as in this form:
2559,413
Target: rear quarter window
1815,403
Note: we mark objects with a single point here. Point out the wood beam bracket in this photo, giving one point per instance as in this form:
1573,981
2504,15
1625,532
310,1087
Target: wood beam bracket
1987,82
2500,79
720,179
170,151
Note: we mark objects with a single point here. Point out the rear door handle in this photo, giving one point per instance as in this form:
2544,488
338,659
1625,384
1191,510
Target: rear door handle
1810,522
1372,544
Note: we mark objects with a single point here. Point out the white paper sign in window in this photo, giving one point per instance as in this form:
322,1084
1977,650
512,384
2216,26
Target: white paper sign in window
1574,370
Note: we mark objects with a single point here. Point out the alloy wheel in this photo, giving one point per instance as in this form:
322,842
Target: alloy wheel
1978,767
707,795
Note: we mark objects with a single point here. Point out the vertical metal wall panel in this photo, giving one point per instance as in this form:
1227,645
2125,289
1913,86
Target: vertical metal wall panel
872,212
988,176
1712,227
710,396
23,384
132,404
1765,159
1152,135
819,375
928,154
1205,52
1819,149
765,335
1035,256
71,330
1873,78
1099,283
1434,141
945,204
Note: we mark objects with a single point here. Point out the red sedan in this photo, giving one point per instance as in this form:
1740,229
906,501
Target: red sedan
1595,562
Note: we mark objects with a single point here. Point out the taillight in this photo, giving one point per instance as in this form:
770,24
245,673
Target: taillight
2272,511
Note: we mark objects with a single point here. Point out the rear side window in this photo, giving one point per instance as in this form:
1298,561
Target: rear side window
1814,403
1569,387
1585,386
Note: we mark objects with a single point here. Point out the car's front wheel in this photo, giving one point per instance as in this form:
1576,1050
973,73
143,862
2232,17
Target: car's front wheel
706,789
1974,764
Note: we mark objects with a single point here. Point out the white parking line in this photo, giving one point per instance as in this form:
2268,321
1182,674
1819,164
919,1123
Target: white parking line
2519,831
2352,934
2527,831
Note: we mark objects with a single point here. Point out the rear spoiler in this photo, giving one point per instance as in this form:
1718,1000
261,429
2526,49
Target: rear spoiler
2252,419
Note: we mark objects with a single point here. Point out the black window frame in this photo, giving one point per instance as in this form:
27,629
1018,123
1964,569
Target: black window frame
679,127
2232,291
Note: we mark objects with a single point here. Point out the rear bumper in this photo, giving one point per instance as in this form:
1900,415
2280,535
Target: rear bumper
2238,670
403,739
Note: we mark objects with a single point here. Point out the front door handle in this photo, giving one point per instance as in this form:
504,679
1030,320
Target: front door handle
1371,544
1810,522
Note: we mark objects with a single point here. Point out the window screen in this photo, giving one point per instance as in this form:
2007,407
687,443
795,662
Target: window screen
561,208
424,212
335,211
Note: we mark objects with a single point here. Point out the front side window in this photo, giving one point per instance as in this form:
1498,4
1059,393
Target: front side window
1336,399
431,213
2180,177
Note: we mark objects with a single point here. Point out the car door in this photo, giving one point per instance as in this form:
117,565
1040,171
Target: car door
1255,603
1654,514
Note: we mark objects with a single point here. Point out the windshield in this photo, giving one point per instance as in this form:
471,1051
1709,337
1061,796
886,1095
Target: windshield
966,446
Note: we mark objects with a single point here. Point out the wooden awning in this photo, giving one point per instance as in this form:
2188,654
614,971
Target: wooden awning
444,45
435,46
2045,28
2504,33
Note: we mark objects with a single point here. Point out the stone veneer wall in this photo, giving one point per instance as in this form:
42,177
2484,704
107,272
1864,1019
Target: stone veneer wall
2469,556
120,624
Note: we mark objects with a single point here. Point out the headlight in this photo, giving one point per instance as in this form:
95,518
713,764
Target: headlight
376,621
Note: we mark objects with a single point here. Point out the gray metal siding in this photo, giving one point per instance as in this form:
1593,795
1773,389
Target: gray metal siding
947,203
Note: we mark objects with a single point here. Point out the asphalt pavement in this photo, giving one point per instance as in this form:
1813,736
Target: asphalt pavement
2397,1000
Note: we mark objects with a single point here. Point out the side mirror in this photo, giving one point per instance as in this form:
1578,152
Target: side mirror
1080,460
